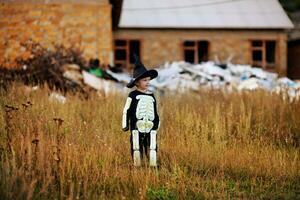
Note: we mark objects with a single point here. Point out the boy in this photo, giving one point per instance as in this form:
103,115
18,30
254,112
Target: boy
140,113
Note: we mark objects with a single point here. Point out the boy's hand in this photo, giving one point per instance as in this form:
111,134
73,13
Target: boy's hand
125,129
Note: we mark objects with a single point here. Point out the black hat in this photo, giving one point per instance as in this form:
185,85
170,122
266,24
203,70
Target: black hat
140,71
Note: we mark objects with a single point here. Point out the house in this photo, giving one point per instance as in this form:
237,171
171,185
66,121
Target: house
294,48
85,24
249,31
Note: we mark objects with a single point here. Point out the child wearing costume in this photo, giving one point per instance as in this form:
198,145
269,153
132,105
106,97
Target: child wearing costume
140,115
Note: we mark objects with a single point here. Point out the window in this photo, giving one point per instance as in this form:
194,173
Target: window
264,53
124,51
195,51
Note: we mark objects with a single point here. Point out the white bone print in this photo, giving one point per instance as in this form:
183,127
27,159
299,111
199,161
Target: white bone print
145,107
145,113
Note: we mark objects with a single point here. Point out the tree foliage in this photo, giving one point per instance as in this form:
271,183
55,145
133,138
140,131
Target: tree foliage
290,5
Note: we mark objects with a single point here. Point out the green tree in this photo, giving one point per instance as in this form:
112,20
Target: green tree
290,5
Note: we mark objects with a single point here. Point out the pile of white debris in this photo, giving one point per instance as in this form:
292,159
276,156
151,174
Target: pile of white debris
182,76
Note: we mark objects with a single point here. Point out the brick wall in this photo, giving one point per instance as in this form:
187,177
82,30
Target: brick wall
161,45
83,24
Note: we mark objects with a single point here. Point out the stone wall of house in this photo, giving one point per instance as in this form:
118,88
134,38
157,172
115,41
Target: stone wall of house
161,45
83,24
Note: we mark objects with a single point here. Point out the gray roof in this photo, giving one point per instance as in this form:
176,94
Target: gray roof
249,14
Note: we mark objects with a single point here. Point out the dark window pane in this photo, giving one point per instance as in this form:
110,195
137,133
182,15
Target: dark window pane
189,44
134,47
257,55
202,51
270,51
120,54
119,43
257,43
189,56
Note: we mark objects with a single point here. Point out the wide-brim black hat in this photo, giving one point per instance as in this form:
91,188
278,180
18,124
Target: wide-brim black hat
140,72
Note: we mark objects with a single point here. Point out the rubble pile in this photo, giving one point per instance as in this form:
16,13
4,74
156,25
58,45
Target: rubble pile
182,76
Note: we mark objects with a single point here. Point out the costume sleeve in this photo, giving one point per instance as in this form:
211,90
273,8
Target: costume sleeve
156,119
125,118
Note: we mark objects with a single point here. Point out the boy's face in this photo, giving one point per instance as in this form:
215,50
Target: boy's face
143,83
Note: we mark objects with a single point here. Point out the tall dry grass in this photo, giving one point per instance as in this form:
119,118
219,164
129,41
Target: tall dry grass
211,145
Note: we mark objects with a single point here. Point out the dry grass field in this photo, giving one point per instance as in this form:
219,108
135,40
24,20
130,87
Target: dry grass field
211,146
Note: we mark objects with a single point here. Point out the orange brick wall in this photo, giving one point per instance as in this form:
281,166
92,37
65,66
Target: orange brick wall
83,24
161,45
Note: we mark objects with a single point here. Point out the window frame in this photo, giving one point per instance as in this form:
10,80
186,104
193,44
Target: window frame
194,48
264,64
126,47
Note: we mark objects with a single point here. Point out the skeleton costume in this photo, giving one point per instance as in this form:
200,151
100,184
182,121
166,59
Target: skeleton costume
140,113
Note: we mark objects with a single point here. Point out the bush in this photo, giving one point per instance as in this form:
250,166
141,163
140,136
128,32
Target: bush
43,66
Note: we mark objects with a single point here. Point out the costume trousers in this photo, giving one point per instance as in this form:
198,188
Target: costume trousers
144,144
